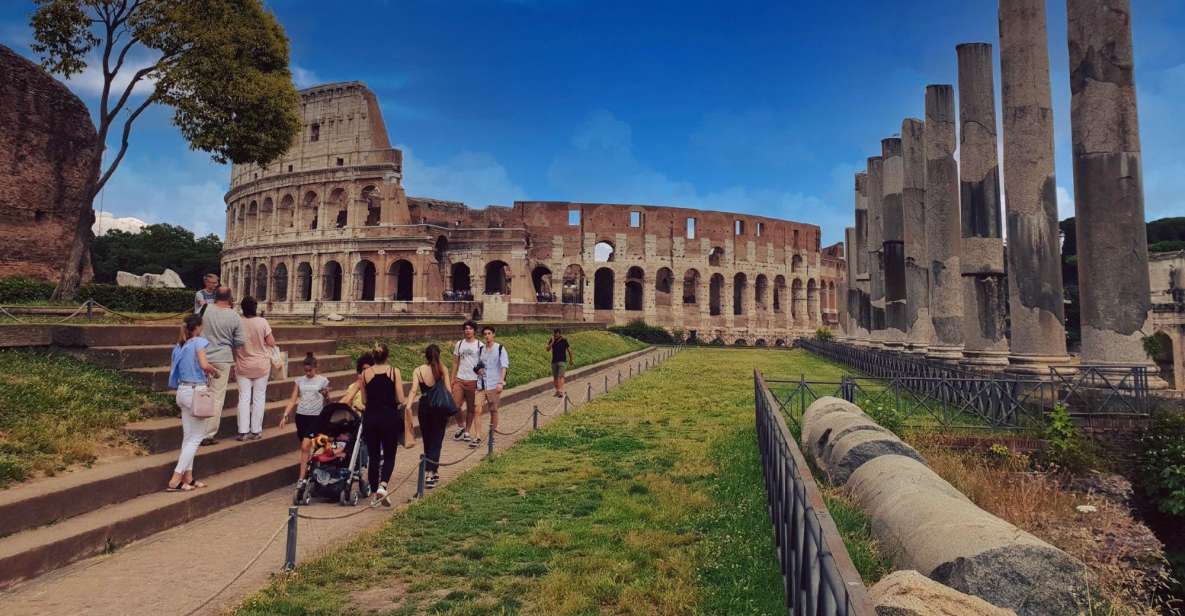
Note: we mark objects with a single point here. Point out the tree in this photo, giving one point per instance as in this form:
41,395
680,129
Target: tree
222,65
153,249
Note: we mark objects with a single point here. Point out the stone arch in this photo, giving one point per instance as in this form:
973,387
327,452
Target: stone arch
779,294
635,280
715,294
812,300
459,279
308,210
760,290
261,283
740,283
339,208
796,264
573,292
760,342
304,282
364,280
1164,358
541,281
497,278
440,249
603,289
603,252
832,300
780,342
691,286
331,282
373,199
251,224
716,256
797,300
663,282
240,220
280,283
740,342
266,217
285,214
401,277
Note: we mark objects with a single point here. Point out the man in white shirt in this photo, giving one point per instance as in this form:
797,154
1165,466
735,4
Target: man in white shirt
464,380
492,365
205,295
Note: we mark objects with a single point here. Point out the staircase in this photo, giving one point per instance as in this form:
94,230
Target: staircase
49,523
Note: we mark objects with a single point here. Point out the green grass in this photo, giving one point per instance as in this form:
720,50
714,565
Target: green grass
648,500
57,411
527,350
866,552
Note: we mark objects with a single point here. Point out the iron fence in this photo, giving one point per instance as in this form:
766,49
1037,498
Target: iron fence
818,577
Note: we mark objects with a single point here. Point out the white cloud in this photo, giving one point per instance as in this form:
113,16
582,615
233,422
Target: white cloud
303,77
1065,203
90,81
189,196
474,178
106,221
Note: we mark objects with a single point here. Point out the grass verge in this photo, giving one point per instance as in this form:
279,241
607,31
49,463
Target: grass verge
529,358
57,411
649,500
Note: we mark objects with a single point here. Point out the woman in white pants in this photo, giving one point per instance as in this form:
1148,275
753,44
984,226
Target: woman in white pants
188,376
253,364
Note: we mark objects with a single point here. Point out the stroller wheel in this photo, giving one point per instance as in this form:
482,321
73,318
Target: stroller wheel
364,488
305,495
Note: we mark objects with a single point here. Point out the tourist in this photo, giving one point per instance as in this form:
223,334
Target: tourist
309,393
253,365
187,374
382,423
205,295
224,330
433,420
353,395
464,380
492,365
561,359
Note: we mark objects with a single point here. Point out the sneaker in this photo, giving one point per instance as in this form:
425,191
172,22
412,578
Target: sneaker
209,441
430,481
242,437
467,438
255,436
380,495
460,435
475,443
300,483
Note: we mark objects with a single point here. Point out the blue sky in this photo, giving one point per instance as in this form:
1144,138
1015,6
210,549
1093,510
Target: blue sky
764,108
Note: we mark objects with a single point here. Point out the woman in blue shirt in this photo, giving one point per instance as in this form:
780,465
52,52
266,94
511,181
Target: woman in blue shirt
187,376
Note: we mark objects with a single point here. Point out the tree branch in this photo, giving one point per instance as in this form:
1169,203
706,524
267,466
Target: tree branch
123,147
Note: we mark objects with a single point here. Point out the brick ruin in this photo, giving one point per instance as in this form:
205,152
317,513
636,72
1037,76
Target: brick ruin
329,226
47,169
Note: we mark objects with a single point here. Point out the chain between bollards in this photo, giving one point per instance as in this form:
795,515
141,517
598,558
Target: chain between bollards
290,549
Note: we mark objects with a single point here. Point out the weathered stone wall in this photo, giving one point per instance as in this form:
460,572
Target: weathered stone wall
47,170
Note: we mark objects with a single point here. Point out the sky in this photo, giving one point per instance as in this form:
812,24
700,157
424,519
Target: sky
760,108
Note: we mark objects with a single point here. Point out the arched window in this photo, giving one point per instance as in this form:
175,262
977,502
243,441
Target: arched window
739,286
603,252
797,300
812,299
663,281
498,278
240,222
440,249
459,280
308,210
338,208
280,283
716,256
403,275
690,286
779,294
266,212
248,272
331,279
285,214
541,281
374,205
261,283
796,264
715,294
634,284
603,289
760,286
573,285
304,282
364,279
251,225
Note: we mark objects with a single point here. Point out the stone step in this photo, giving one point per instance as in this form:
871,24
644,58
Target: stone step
150,355
36,551
157,377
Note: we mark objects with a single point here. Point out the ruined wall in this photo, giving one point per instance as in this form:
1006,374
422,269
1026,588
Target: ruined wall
47,145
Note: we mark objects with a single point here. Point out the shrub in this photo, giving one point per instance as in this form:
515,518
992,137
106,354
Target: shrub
1161,463
20,290
823,334
678,336
137,299
886,414
1065,448
638,329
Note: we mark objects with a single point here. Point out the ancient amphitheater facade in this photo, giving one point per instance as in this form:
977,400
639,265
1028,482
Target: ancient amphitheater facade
328,228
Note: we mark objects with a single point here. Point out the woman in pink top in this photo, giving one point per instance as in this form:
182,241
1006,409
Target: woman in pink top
253,364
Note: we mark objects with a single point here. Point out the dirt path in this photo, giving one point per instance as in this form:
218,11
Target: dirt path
175,571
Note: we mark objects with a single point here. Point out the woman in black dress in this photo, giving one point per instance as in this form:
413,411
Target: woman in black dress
382,423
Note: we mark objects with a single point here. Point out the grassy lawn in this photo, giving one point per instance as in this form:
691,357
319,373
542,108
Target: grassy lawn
56,411
529,358
649,500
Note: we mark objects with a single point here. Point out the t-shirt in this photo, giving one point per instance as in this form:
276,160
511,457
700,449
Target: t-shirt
185,365
201,298
559,350
224,329
310,401
496,361
252,360
466,352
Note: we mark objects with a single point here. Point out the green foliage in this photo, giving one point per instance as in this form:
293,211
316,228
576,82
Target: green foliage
1167,246
646,333
136,299
1153,346
855,528
1065,447
885,413
153,249
678,336
823,334
21,290
1162,463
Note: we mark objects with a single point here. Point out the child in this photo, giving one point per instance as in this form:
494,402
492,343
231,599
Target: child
332,450
309,393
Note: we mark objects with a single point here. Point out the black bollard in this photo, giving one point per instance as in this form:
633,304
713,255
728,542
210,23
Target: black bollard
535,417
420,480
290,549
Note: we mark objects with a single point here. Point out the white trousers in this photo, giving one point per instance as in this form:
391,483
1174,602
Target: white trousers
252,397
218,388
193,429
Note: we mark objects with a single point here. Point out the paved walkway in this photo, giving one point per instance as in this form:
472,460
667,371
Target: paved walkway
175,571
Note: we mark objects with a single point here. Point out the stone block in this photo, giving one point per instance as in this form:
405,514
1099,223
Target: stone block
909,593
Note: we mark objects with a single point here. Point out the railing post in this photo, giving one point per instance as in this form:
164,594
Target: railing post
566,401
90,309
590,391
290,547
420,480
606,382
535,417
490,441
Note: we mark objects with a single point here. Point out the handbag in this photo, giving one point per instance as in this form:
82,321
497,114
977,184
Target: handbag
439,399
203,402
409,436
279,360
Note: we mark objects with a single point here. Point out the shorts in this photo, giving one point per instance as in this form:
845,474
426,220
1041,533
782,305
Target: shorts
489,400
465,392
306,426
558,368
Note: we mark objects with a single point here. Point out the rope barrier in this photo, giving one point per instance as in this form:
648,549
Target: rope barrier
8,314
372,505
457,461
557,408
131,318
241,572
523,425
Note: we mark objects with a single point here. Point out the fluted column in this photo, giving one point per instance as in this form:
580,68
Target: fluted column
982,259
893,242
918,330
943,231
876,273
863,313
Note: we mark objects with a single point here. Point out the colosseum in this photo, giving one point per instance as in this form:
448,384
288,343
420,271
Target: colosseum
329,228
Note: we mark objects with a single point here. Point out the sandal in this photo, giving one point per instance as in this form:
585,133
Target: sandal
181,487
196,484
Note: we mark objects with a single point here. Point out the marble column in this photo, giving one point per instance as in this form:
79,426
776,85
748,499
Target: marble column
863,314
982,259
918,330
876,272
943,232
850,300
1113,283
893,242
1035,295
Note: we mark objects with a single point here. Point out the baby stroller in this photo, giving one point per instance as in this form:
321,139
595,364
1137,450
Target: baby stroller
341,479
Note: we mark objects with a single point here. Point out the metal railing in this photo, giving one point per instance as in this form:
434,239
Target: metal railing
818,577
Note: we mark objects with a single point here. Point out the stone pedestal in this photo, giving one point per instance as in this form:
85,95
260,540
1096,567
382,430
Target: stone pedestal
943,230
